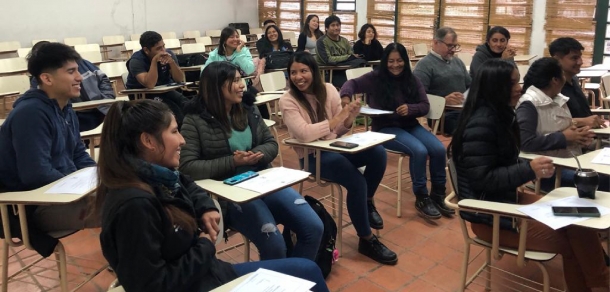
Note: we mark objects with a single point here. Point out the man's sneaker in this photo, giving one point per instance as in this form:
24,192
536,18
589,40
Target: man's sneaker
377,251
375,220
439,203
426,208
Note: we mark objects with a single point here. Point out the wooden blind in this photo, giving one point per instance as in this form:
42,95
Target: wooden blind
321,8
573,18
380,13
516,16
416,22
349,29
286,13
469,19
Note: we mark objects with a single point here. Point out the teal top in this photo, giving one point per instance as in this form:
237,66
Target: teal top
241,140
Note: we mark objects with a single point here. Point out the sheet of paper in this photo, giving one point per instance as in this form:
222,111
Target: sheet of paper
543,211
364,138
603,157
275,179
373,111
76,183
264,280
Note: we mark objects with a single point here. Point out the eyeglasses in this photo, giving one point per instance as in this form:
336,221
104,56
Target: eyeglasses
451,47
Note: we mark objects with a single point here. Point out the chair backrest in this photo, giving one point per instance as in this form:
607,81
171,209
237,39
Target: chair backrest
206,40
75,41
420,50
168,35
23,52
522,71
124,77
256,30
172,43
466,58
243,38
191,34
238,31
40,40
437,107
9,46
87,48
193,48
357,72
91,56
135,37
114,69
273,81
288,35
12,83
605,84
113,40
13,64
132,45
213,32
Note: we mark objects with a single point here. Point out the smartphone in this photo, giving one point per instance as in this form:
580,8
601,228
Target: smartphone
240,177
576,211
175,83
346,145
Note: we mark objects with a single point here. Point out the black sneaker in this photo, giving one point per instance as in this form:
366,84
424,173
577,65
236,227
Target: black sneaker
439,203
375,220
426,208
377,251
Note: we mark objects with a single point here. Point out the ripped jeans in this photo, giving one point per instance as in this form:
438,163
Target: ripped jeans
258,219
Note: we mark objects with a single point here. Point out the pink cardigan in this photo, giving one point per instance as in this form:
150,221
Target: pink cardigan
299,124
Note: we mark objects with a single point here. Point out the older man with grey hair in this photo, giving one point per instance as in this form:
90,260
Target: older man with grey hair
443,75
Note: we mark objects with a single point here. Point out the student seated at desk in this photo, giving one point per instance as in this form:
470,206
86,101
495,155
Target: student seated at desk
94,86
154,218
368,46
485,149
226,136
310,33
153,66
495,46
393,87
273,48
40,139
312,110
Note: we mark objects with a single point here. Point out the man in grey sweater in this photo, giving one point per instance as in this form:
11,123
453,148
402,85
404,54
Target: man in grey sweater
443,75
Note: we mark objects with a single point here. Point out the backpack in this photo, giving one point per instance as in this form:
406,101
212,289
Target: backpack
278,59
327,253
188,60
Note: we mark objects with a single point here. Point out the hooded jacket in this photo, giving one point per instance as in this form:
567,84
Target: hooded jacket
482,54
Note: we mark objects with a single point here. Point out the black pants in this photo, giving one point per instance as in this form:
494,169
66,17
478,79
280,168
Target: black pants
89,119
175,101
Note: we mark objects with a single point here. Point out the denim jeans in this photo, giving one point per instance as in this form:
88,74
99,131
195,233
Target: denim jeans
257,221
343,169
300,268
419,143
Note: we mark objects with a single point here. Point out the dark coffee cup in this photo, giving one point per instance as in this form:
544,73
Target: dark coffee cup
586,182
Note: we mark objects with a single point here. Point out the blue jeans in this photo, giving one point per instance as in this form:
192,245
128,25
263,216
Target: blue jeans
257,221
343,169
300,268
419,143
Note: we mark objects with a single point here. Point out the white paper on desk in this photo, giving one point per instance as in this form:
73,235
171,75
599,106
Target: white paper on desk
76,183
275,179
543,212
365,110
364,138
603,157
264,280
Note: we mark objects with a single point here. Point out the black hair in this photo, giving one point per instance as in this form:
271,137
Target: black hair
305,29
50,57
442,32
497,29
225,34
492,86
318,87
268,21
280,38
362,33
388,84
563,46
329,20
149,39
541,73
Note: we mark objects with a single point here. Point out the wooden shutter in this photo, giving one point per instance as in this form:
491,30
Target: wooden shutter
286,13
574,18
380,13
516,16
469,19
417,22
349,29
321,8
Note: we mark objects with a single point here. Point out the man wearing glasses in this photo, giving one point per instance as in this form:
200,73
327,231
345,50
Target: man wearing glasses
443,75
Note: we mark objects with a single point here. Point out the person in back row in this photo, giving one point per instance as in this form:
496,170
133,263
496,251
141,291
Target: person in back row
310,33
443,75
367,46
153,66
40,141
495,46
95,86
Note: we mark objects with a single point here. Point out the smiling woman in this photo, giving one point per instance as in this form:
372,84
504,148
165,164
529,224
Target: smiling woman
495,46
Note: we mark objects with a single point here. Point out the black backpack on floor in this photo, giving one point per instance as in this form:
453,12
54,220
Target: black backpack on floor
326,252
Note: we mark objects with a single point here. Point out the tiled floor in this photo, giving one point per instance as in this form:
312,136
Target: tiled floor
430,253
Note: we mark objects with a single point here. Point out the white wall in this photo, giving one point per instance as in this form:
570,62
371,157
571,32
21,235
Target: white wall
26,20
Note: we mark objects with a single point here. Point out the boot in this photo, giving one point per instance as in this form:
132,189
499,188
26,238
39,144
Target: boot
438,198
374,249
426,208
375,220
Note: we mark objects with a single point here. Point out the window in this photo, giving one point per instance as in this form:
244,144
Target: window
286,13
380,13
345,5
516,16
469,19
572,18
416,22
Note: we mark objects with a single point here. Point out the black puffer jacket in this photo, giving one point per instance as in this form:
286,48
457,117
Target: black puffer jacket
490,168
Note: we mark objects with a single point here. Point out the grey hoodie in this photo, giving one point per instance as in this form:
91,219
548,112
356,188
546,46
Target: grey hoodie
483,54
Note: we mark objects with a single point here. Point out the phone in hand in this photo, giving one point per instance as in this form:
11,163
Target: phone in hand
576,211
240,178
342,144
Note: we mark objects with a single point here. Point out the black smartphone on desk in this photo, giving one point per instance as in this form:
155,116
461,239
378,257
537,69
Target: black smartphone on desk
342,144
576,211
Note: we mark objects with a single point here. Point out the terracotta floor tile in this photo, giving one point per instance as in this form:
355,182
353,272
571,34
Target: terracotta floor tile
363,285
389,277
442,277
339,277
403,236
432,250
420,285
414,264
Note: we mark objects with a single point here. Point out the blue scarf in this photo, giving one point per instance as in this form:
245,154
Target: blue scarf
157,175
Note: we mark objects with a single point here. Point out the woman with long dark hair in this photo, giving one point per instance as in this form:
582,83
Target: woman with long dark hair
310,33
495,47
273,41
393,87
485,149
154,218
367,45
233,50
226,136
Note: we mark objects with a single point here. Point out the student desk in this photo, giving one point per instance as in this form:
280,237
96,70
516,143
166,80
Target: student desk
524,58
140,93
91,135
324,145
191,68
598,67
331,68
14,72
268,97
92,104
600,132
591,73
374,63
2,121
238,195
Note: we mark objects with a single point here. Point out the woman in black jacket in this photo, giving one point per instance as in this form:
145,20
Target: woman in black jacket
485,148
273,42
153,217
368,47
